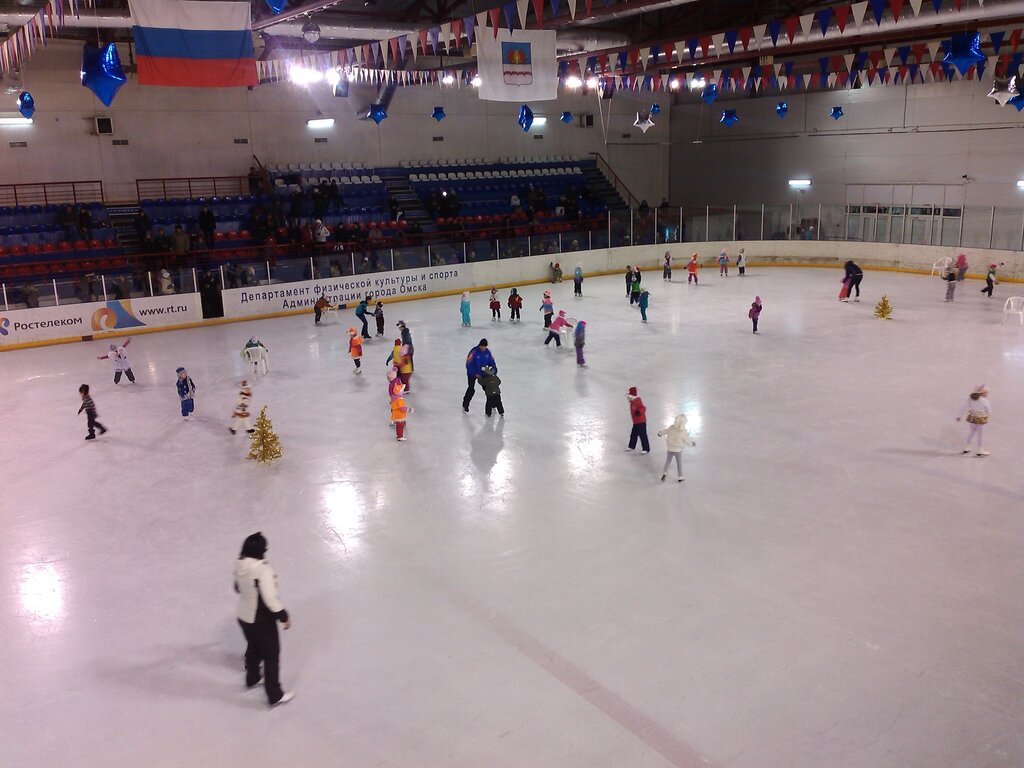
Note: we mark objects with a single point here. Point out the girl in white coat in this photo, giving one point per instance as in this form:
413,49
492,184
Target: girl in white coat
976,410
119,356
676,436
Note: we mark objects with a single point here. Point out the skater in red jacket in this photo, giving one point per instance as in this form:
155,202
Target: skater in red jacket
638,412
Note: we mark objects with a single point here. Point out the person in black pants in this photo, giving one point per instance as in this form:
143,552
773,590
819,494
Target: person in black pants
259,610
638,413
478,358
90,412
629,279
853,277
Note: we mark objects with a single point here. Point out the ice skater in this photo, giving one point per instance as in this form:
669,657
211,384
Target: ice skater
676,437
400,358
361,308
322,305
259,611
555,329
854,275
976,410
355,349
961,267
723,263
577,281
951,280
118,355
495,305
691,270
240,416
378,315
579,335
406,334
491,385
990,280
634,290
90,413
629,279
399,411
255,352
478,357
666,267
638,413
515,304
464,309
755,312
741,263
643,301
547,308
186,392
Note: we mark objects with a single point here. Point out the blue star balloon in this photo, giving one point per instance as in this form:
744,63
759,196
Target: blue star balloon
963,51
525,117
26,105
729,118
276,5
709,94
566,117
782,108
102,72
1017,102
438,114
835,113
655,109
376,113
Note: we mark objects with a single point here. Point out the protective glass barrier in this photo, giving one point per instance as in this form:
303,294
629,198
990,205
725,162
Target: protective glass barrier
620,228
748,222
1008,229
644,227
720,224
667,226
977,228
694,225
776,222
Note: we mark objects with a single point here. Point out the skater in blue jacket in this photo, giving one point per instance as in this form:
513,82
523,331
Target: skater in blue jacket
186,392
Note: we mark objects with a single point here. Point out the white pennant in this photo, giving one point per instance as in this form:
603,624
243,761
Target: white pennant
644,54
832,79
572,9
859,9
758,36
805,23
848,58
521,6
481,24
717,41
446,34
412,41
385,49
681,50
916,6
887,54
933,49
745,71
778,69
757,83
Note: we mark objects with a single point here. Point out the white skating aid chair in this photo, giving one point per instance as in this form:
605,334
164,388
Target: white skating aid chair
257,358
1014,306
942,266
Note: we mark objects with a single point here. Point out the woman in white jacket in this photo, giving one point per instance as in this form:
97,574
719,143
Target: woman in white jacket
676,437
259,610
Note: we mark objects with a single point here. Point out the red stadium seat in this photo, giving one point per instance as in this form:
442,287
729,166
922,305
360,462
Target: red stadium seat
95,243
110,243
80,245
49,247
66,246
218,236
17,250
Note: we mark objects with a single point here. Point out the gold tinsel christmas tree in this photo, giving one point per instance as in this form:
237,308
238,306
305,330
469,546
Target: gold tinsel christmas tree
883,309
263,443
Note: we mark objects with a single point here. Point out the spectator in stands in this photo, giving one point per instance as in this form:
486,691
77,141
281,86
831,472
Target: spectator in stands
664,203
255,180
29,295
85,288
433,203
317,194
207,224
180,243
334,194
142,225
67,220
295,205
259,224
375,236
644,208
320,232
161,242
147,244
514,202
84,223
122,287
393,207
165,284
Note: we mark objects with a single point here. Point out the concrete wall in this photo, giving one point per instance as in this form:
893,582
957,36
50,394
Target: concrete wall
191,131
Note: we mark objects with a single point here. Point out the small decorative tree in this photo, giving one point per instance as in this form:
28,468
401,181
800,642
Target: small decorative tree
883,309
263,443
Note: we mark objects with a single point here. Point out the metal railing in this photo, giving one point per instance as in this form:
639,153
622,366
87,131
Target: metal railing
194,186
51,192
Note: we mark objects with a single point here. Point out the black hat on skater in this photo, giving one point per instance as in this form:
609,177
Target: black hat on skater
254,546
483,343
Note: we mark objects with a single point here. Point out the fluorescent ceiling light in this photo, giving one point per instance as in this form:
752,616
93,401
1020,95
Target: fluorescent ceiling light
799,183
320,122
539,122
1020,182
14,120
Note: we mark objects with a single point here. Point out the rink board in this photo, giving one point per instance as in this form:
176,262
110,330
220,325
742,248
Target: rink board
84,321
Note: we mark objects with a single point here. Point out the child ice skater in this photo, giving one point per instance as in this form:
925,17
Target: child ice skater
90,413
399,411
579,340
378,315
495,305
577,281
464,308
322,305
741,263
676,437
990,280
257,354
555,329
491,385
666,267
119,356
547,308
755,312
951,281
643,301
515,303
691,270
399,357
723,263
634,289
977,412
638,413
186,392
240,417
629,279
355,348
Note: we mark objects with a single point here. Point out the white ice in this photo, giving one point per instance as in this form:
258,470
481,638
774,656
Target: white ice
835,584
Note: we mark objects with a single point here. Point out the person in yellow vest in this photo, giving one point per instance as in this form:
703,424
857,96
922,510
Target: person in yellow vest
399,357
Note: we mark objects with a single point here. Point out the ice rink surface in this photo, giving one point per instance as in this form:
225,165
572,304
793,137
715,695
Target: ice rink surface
833,585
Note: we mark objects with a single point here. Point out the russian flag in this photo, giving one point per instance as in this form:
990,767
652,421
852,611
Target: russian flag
193,44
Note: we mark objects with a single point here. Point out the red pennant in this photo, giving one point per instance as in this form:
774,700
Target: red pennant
792,23
538,12
457,31
745,34
704,43
957,4
393,45
587,6
871,75
903,71
633,56
936,68
837,63
874,57
814,80
423,41
1015,38
895,6
918,51
842,14
656,82
602,62
495,15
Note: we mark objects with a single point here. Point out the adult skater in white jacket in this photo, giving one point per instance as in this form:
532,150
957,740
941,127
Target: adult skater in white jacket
676,436
259,610
119,356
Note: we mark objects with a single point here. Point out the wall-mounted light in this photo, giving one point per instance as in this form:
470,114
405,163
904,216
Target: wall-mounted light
448,78
320,122
14,120
698,84
304,76
475,82
1020,182
311,31
799,183
539,121
674,83
573,82
592,82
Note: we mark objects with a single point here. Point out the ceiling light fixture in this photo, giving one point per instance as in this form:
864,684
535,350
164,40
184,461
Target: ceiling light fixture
311,31
799,183
15,121
448,78
320,122
573,82
475,82
698,84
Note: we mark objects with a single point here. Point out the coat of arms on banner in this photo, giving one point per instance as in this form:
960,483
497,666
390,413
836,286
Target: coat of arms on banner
516,64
